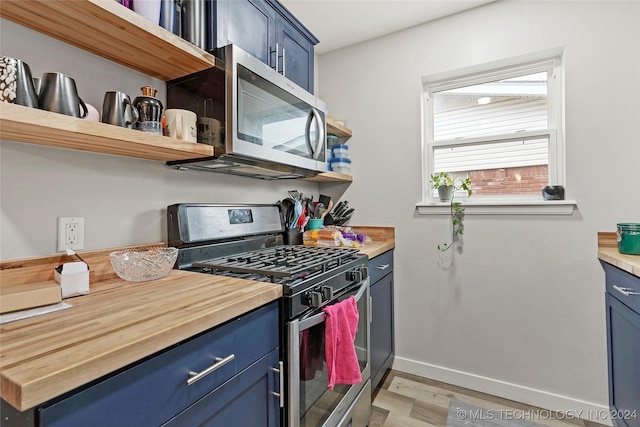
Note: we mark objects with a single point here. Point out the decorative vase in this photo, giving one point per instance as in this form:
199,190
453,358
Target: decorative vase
445,192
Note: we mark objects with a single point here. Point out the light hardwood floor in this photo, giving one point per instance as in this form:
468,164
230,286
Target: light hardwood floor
405,400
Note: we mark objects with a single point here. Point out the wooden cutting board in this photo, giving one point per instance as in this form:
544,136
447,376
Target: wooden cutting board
29,295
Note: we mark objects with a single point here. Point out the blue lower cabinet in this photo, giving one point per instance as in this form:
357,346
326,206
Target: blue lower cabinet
382,342
382,323
623,346
154,391
247,399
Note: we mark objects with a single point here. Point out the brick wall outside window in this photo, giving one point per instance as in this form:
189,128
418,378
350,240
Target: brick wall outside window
518,180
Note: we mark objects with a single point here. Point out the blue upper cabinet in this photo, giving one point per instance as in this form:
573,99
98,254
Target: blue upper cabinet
269,32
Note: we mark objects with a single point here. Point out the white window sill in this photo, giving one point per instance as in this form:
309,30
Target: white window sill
502,207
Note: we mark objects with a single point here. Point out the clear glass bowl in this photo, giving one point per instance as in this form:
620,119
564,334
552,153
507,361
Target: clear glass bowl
139,265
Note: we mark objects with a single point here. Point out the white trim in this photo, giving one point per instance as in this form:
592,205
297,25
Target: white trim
519,393
502,207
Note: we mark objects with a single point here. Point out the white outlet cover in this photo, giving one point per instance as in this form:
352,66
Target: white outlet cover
62,227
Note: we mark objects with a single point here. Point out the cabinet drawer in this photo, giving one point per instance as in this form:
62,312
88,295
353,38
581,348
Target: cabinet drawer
155,390
623,286
380,266
247,399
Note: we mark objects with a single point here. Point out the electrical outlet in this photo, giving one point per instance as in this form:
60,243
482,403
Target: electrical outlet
70,233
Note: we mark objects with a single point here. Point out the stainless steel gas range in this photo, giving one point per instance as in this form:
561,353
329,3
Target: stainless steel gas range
246,241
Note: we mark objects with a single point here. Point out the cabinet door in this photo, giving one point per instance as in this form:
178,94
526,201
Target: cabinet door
247,399
623,339
250,24
382,342
295,54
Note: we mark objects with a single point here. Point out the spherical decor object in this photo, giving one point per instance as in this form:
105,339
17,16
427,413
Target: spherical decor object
140,265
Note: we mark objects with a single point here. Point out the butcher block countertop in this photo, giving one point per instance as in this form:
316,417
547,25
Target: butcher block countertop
383,239
119,322
116,324
608,252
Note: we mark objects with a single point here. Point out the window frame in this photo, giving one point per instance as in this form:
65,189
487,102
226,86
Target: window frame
550,61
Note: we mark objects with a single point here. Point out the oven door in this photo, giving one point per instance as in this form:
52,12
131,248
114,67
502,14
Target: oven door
311,403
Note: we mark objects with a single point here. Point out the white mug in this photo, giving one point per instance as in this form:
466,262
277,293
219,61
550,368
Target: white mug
181,124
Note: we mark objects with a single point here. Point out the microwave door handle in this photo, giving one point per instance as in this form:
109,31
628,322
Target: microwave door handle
315,153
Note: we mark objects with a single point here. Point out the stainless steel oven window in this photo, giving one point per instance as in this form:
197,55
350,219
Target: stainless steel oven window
311,403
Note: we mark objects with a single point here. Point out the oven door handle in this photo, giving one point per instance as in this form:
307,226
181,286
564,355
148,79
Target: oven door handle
320,317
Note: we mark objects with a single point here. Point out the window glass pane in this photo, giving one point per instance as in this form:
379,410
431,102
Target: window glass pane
512,180
491,155
497,107
518,180
498,168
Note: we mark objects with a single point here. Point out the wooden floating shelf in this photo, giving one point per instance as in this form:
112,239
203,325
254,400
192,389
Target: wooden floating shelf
331,177
335,128
34,126
112,31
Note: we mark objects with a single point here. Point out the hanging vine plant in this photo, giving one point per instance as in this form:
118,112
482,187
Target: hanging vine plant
447,185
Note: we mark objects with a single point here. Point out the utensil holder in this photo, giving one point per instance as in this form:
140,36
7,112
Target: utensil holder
292,236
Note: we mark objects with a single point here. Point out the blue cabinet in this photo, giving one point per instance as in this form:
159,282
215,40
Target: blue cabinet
156,391
382,323
239,401
623,345
266,30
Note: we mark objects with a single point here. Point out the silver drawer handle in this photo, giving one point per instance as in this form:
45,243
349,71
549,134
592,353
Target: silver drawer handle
220,362
280,370
383,267
627,292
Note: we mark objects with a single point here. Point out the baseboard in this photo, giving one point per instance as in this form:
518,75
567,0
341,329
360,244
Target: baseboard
574,408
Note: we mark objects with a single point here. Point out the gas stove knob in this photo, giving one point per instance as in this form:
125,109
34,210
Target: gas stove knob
357,274
315,299
327,292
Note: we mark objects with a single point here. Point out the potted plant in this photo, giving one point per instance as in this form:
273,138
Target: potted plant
447,184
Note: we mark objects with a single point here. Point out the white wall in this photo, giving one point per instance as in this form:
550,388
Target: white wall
123,200
520,312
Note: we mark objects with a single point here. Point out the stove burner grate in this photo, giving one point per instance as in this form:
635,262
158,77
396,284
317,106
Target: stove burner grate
281,261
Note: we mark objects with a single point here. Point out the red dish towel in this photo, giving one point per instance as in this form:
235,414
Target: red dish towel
341,326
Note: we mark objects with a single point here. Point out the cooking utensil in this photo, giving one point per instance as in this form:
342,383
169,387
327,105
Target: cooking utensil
325,200
341,208
287,207
318,210
295,195
297,212
304,223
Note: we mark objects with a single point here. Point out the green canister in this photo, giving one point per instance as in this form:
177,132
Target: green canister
628,238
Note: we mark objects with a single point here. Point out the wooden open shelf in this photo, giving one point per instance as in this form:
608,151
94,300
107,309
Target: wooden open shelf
34,126
335,128
331,177
112,31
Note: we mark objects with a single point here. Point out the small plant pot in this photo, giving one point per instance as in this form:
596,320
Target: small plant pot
445,192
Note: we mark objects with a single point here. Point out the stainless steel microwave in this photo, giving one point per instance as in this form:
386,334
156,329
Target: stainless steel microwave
259,122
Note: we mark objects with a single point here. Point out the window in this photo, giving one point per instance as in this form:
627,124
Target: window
500,125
